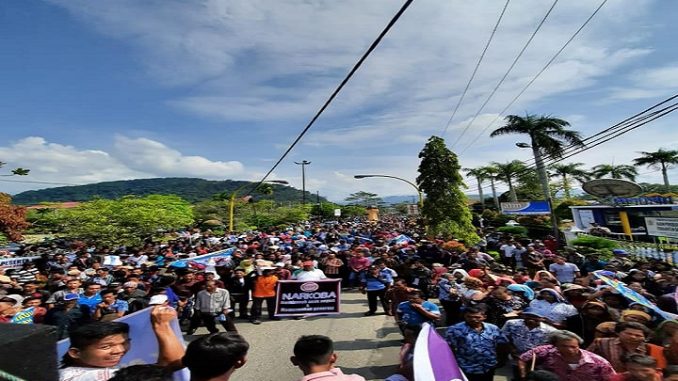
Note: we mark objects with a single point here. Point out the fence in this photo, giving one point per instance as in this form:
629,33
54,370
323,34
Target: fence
662,249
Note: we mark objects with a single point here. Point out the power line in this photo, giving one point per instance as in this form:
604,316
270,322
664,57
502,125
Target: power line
36,182
336,91
621,128
543,69
475,70
501,81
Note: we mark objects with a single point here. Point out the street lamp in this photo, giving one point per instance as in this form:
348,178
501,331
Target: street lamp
303,164
544,180
231,204
421,197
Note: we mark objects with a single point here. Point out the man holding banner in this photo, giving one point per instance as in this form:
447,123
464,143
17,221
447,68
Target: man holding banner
96,349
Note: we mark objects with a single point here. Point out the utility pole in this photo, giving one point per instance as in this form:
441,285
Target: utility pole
303,164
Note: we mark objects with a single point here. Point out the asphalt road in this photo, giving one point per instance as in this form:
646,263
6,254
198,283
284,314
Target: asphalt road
367,346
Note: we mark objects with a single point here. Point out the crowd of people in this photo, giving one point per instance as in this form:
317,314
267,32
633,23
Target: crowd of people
532,303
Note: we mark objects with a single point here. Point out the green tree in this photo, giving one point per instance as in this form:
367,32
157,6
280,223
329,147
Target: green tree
662,159
445,210
621,171
569,171
12,219
507,172
16,171
128,220
548,137
364,199
480,175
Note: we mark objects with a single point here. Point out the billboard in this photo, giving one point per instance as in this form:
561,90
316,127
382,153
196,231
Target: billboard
662,226
526,207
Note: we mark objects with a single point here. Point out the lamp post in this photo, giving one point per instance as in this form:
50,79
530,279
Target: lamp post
231,204
421,197
303,164
544,180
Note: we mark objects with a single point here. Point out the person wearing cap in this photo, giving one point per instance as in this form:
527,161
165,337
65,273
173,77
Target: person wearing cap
525,333
636,316
239,287
631,339
9,306
72,287
308,272
67,315
264,289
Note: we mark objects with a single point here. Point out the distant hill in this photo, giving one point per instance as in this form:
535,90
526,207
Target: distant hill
189,189
392,200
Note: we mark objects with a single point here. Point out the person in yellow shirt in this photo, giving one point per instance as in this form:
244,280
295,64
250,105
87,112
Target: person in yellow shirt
264,290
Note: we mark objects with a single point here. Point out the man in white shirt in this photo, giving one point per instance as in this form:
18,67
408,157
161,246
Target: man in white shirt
309,273
507,250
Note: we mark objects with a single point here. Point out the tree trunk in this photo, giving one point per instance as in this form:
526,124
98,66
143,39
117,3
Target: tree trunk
666,178
566,186
541,172
494,194
512,192
480,193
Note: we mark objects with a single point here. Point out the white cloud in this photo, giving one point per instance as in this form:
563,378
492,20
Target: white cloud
649,83
155,157
130,159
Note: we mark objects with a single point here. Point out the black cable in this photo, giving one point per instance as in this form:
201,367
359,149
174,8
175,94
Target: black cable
36,182
501,81
336,92
475,70
625,126
543,69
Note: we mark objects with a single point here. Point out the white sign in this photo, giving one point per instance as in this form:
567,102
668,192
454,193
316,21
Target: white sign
662,226
586,218
15,263
412,210
337,212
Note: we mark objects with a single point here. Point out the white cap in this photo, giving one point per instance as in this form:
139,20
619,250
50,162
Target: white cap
157,300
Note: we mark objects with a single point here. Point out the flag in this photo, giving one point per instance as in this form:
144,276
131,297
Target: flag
433,358
631,295
401,239
23,316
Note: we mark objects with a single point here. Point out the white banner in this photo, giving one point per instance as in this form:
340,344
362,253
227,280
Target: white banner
662,226
16,262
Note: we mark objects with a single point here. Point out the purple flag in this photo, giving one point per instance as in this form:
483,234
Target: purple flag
433,358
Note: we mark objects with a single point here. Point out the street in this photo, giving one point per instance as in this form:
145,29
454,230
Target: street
365,345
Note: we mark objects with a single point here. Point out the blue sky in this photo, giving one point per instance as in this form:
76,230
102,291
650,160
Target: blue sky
96,91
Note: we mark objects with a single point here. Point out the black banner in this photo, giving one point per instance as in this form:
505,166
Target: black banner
303,298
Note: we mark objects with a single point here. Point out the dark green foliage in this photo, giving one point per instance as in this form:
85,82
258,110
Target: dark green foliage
445,208
192,190
513,230
594,242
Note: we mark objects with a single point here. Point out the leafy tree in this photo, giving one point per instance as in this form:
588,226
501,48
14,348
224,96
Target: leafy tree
548,137
480,175
445,210
364,199
507,172
128,220
658,188
570,170
12,218
662,159
16,171
621,171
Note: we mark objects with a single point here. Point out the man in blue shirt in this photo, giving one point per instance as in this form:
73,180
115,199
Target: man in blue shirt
417,311
90,297
374,282
475,345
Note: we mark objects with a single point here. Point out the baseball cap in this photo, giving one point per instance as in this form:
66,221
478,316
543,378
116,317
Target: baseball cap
12,298
159,299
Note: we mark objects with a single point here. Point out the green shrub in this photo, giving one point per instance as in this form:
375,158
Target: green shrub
514,230
594,242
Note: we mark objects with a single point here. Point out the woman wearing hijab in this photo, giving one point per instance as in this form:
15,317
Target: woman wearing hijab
475,292
501,302
586,322
522,291
553,306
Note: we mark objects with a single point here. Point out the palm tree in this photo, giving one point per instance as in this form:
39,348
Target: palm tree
491,172
507,171
621,171
662,159
480,175
548,136
573,171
